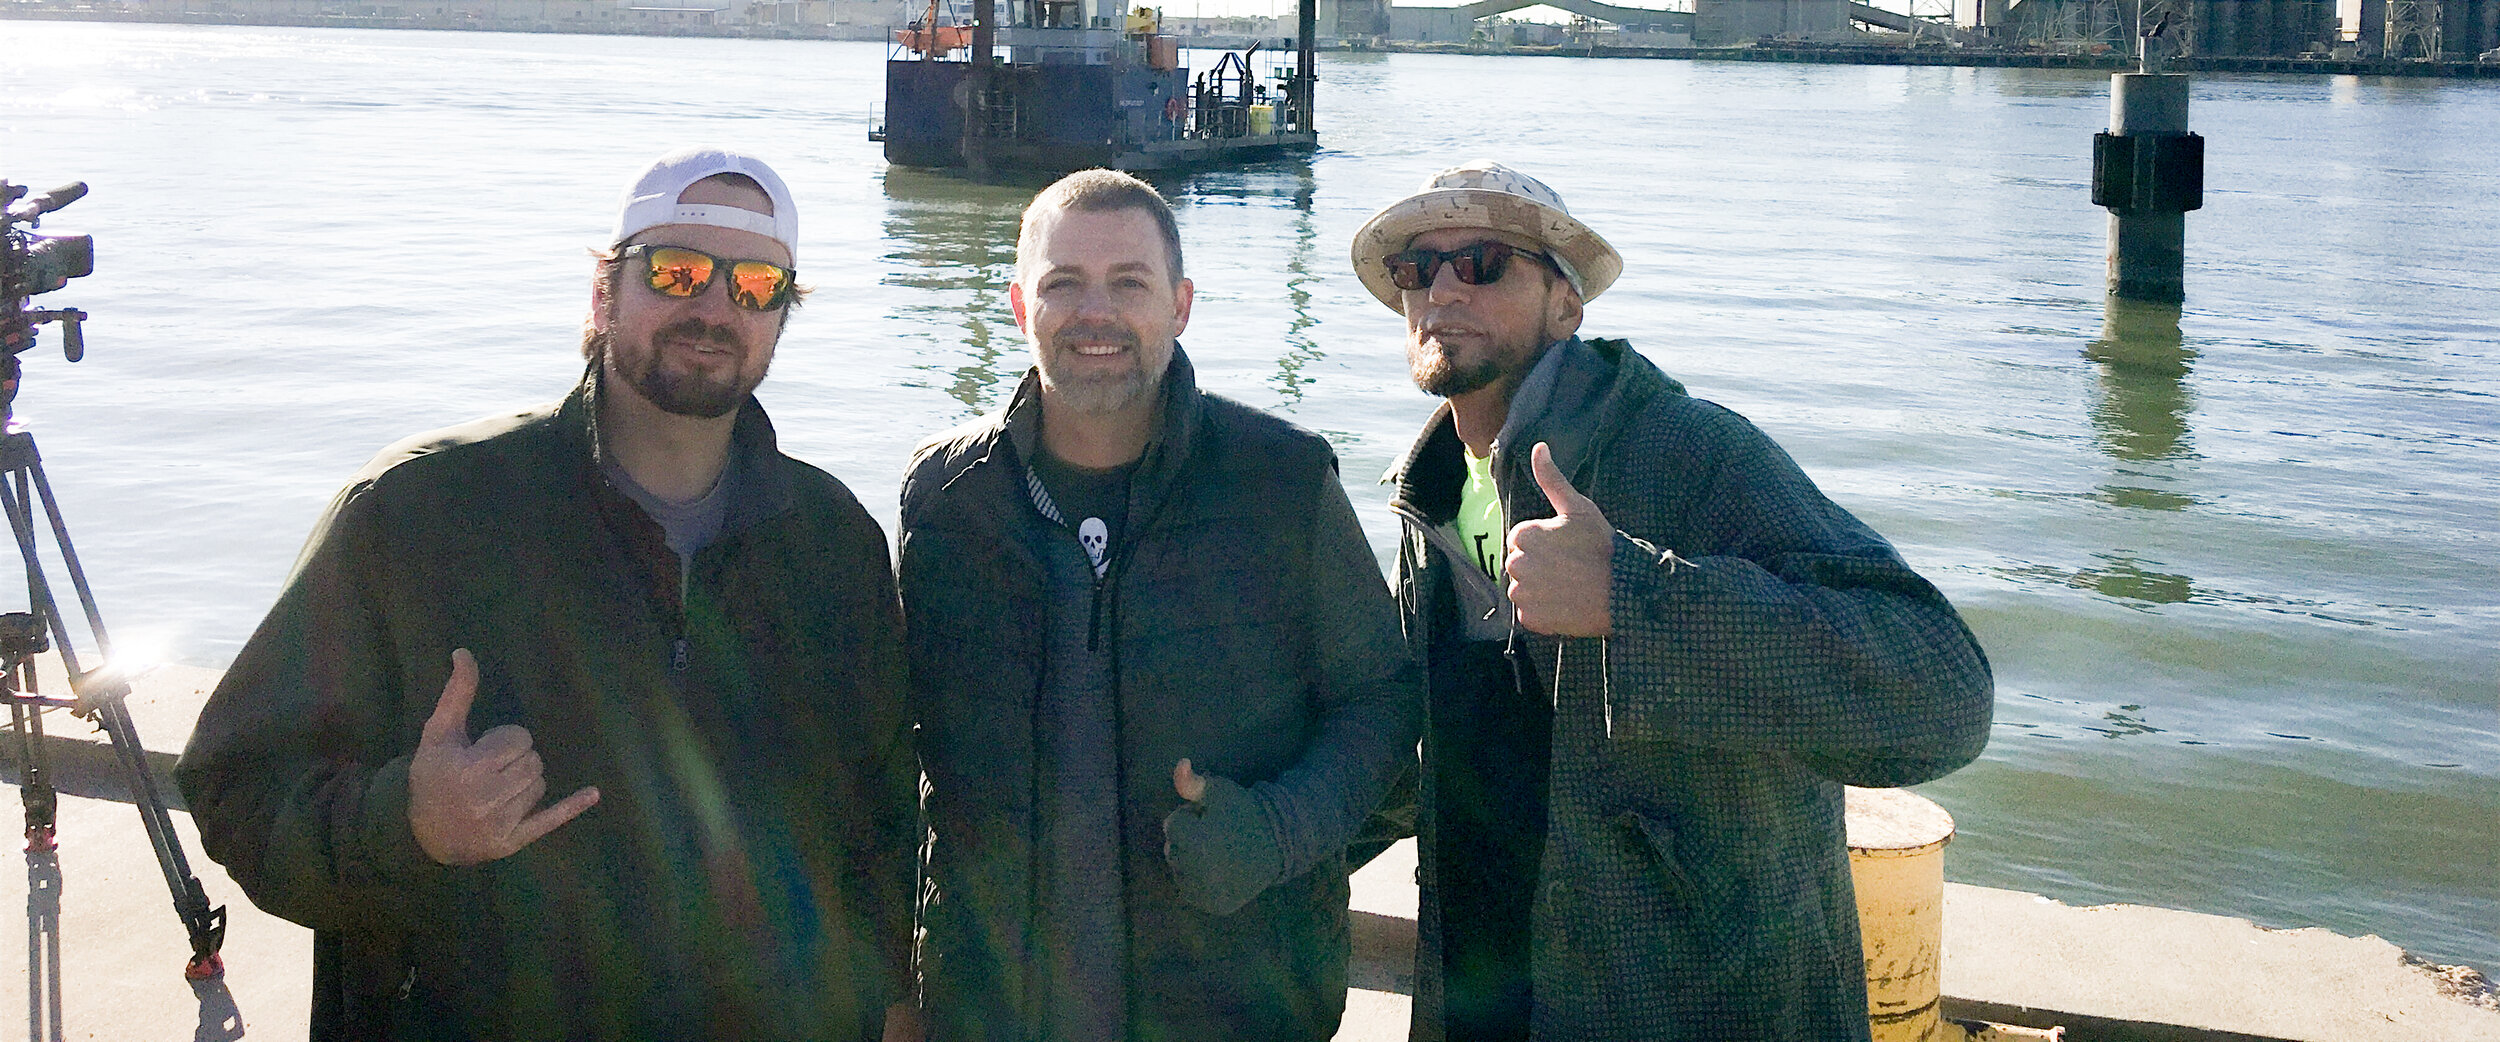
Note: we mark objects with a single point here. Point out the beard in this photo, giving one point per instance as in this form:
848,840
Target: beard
1103,393
1438,371
1441,376
681,393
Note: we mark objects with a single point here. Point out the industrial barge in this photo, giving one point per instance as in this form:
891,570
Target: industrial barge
1063,85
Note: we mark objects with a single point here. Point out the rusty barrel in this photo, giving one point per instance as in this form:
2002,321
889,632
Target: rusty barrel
1896,859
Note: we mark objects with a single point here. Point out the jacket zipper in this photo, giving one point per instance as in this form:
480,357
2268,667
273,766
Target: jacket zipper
681,651
1453,553
1093,624
1103,585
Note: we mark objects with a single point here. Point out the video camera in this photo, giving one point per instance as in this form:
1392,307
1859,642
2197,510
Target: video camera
32,264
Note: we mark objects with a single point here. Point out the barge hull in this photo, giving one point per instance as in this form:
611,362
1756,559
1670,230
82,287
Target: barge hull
1057,118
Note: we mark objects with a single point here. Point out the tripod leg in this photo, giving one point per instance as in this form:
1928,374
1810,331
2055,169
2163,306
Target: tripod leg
206,925
43,945
34,784
102,699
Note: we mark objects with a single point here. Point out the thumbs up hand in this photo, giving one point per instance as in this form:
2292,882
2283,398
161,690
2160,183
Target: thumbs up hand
471,802
1561,568
1187,783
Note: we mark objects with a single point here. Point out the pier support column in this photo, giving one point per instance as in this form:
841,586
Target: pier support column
2149,171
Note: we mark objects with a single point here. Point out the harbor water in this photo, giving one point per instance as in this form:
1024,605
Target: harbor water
2235,568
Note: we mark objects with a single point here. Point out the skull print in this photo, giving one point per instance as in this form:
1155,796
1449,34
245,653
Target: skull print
1096,537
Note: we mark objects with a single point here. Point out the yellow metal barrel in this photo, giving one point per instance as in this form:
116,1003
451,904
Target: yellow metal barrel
1896,859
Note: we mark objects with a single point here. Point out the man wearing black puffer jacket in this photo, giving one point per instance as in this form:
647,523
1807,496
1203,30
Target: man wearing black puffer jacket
1158,679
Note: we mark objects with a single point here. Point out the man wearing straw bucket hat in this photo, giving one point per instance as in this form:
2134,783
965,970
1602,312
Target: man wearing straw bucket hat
1656,654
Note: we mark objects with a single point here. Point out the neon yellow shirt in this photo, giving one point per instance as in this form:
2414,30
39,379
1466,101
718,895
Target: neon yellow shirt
1479,523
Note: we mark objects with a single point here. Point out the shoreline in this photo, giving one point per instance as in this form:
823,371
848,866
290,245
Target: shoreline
1792,53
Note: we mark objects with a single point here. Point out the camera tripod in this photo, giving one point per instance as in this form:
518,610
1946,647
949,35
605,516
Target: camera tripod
96,695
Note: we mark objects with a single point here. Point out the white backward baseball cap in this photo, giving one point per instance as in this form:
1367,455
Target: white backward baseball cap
1484,194
651,197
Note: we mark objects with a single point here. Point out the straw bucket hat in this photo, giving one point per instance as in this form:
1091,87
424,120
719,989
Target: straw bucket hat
1485,194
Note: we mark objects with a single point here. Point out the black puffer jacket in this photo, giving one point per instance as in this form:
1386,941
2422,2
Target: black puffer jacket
747,871
1250,632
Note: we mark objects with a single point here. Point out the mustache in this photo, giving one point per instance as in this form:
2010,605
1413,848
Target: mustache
700,331
1098,332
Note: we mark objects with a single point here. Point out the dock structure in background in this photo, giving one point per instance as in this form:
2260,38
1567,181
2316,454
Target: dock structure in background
2412,28
2198,28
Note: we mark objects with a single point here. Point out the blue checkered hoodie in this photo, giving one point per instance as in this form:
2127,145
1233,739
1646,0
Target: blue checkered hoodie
1768,648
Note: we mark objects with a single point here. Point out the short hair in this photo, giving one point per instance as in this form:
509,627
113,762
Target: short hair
735,179
1101,191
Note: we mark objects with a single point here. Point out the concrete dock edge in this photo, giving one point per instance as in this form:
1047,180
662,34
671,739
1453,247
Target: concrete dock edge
2108,973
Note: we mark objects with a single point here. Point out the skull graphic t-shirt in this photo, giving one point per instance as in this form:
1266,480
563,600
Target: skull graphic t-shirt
1081,905
1094,503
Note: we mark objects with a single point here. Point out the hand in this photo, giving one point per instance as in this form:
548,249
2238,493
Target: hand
1219,845
470,802
1561,568
1187,783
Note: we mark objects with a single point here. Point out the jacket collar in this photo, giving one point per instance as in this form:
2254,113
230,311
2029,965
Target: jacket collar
1427,478
1167,451
1574,399
761,488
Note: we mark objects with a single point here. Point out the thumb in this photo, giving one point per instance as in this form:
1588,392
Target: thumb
449,726
1568,501
1187,783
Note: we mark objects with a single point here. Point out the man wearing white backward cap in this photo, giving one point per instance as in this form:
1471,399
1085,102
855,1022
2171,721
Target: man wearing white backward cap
1656,652
633,602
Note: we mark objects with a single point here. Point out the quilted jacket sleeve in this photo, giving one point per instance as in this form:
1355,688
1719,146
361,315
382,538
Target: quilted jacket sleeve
1786,625
1369,693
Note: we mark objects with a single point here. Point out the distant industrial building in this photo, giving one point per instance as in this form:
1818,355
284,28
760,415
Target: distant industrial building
2451,30
1628,26
864,19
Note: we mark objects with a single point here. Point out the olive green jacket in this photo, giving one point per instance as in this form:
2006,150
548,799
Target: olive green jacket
747,871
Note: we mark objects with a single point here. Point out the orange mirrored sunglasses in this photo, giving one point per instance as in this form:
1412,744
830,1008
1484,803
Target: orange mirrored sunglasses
675,271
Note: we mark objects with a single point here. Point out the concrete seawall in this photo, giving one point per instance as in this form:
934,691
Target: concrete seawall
2107,973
